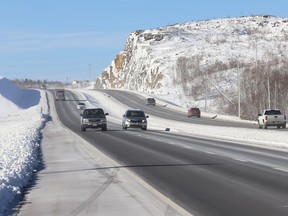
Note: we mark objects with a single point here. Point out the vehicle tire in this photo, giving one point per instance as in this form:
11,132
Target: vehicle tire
284,126
104,128
144,128
124,127
259,126
278,126
83,129
265,126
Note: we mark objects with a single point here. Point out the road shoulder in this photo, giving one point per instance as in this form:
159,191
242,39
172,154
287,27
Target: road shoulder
78,179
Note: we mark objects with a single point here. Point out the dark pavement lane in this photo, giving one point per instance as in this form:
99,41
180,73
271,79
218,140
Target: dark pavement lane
206,177
134,100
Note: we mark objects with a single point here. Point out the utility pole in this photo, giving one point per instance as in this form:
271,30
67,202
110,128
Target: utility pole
239,91
256,57
206,91
269,103
89,72
275,89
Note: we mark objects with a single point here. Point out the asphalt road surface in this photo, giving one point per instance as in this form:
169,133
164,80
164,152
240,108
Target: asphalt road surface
134,100
206,177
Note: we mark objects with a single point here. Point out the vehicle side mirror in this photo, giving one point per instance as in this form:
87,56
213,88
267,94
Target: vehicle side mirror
147,116
106,113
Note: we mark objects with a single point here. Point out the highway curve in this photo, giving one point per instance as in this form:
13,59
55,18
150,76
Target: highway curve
206,177
136,101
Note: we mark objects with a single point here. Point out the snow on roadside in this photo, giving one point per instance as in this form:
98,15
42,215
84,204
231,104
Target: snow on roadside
19,138
20,133
273,138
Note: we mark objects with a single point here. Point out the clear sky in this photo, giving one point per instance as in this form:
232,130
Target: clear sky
76,39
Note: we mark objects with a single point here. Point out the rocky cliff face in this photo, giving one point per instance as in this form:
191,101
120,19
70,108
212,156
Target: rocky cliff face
178,59
134,68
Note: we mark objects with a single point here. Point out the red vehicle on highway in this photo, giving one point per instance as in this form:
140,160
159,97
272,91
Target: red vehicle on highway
194,111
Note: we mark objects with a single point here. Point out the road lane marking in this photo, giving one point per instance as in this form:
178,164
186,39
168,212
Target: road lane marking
208,152
240,159
281,169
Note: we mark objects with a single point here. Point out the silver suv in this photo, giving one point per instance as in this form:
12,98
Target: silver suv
134,118
93,118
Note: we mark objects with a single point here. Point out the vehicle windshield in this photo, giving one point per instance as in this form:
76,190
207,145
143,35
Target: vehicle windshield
273,112
194,109
93,112
135,114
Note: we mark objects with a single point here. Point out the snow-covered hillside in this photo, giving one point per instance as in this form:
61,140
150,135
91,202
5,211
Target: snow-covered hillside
175,61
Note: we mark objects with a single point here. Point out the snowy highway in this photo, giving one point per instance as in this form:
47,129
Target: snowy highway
192,169
135,100
204,176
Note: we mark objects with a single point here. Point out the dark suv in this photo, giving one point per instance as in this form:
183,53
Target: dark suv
134,118
93,118
194,111
151,101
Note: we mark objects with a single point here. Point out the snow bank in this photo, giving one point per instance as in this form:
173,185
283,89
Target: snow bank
23,98
20,124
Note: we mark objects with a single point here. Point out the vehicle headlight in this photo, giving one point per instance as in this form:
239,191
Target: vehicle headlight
85,120
143,121
128,120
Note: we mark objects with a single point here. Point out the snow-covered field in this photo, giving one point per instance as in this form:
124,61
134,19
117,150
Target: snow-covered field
23,114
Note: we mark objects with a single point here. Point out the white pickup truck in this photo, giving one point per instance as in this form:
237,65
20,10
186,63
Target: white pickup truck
271,117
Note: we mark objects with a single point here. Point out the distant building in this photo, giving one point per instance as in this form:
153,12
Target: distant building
75,83
81,83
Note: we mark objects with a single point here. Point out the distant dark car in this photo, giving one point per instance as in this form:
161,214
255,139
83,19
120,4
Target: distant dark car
93,118
194,111
81,106
134,118
151,101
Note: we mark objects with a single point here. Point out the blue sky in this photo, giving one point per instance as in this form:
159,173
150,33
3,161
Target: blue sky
59,39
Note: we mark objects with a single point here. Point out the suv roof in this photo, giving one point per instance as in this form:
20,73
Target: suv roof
195,108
